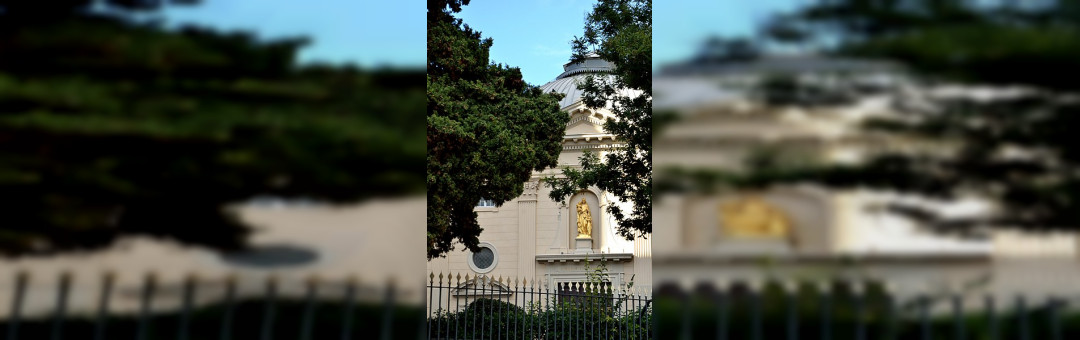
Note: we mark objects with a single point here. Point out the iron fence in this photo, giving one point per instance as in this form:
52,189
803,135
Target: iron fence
484,307
847,310
264,307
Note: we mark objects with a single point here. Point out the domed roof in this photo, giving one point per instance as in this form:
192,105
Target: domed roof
575,73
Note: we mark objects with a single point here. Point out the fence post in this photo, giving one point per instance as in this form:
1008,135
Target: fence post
21,279
825,296
268,308
516,293
309,307
724,300
859,292
61,305
529,297
145,309
684,297
791,290
1021,314
542,327
757,288
892,328
958,314
924,318
185,312
103,305
469,329
230,296
433,313
347,316
992,321
457,306
388,312
1056,305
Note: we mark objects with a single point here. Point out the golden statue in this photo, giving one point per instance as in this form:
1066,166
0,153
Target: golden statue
754,218
584,220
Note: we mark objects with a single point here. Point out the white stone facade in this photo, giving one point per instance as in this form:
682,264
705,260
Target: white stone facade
534,236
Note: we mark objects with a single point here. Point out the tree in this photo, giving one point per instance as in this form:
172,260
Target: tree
1018,152
111,128
487,129
619,31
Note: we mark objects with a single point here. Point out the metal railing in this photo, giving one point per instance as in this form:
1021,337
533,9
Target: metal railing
483,307
855,311
265,308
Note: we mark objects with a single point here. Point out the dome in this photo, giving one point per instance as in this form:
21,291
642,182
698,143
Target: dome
575,73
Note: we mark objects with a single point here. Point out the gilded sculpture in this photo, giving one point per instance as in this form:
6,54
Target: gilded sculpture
752,217
584,220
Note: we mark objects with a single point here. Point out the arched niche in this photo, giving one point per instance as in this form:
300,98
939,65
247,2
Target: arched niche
595,209
810,214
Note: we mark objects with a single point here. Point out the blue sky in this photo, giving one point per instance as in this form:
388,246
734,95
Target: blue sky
367,33
680,26
533,35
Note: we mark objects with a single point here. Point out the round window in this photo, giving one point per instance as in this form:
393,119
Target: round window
484,261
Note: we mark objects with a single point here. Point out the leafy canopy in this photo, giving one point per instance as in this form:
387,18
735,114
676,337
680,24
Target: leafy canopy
487,130
1019,152
619,31
110,128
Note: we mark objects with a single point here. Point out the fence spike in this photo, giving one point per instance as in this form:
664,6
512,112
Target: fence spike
466,278
431,278
458,283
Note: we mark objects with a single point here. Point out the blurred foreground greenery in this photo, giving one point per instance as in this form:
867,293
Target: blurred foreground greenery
109,127
707,313
1018,152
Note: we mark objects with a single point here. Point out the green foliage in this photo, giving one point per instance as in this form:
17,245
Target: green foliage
595,311
619,31
487,130
1018,152
579,319
953,39
705,313
111,128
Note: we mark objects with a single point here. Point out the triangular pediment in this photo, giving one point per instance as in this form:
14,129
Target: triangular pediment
482,286
585,122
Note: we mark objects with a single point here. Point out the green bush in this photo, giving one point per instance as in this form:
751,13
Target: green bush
591,317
